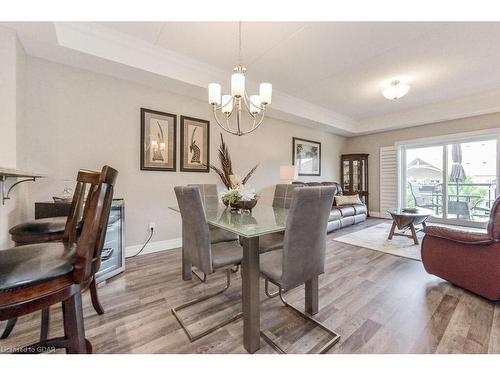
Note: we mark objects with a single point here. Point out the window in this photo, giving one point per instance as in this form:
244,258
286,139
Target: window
456,179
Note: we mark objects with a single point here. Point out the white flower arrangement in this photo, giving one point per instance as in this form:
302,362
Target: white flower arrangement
239,194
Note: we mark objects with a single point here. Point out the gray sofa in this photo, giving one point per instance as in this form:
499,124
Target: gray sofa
340,216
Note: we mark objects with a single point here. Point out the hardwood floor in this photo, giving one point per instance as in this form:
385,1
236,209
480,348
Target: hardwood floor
378,302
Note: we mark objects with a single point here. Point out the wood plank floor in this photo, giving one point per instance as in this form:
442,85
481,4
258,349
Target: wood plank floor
379,303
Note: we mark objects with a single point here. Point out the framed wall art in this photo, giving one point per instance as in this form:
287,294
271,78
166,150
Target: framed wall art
307,157
158,140
195,145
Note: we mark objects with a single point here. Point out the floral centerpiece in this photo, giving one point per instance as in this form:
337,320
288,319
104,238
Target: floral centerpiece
237,195
240,198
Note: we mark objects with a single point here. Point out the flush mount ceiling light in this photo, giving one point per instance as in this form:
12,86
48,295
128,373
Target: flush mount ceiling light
239,100
396,90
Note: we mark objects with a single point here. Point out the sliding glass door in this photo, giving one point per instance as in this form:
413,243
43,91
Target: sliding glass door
424,178
456,180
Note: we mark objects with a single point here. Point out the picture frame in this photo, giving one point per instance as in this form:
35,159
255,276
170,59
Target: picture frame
195,145
306,155
158,141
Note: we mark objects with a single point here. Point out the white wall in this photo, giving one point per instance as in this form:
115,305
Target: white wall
79,119
12,58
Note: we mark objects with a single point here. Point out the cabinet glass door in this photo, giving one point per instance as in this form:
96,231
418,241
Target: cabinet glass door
356,175
346,177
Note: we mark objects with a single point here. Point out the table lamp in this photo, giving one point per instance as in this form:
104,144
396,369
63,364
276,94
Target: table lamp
288,173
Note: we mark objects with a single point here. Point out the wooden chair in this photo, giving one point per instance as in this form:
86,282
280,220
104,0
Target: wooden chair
58,229
35,277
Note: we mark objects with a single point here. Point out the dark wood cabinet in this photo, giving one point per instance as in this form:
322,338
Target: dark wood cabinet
354,175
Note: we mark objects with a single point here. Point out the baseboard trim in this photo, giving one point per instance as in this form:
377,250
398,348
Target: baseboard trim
154,247
379,215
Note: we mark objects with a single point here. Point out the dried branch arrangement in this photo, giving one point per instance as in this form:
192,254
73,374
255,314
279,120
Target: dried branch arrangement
226,170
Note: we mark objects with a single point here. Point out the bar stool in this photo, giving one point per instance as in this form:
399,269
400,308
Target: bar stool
58,230
35,277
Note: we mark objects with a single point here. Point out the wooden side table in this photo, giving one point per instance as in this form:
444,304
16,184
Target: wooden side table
404,220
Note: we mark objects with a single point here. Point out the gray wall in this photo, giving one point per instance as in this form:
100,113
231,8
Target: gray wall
12,68
371,143
79,119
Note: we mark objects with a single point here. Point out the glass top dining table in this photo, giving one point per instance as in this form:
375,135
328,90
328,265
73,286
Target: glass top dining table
263,219
250,226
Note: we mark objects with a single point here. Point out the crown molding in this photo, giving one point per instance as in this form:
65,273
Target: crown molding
91,46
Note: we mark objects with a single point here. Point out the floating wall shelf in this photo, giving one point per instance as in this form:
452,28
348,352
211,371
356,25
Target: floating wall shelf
6,173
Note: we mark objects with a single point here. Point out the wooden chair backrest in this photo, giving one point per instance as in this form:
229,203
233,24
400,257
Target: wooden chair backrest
95,221
86,183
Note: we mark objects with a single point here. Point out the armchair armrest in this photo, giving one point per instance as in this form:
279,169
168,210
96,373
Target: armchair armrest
456,235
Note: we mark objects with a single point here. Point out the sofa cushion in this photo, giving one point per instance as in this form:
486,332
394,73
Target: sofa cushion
346,211
344,200
335,214
359,208
346,221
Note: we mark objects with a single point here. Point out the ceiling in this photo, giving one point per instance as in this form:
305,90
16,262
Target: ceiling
338,69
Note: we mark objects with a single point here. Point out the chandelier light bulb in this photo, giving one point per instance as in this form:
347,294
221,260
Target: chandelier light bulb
396,90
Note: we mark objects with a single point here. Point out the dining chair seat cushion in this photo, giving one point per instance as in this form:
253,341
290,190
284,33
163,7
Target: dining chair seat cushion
220,235
51,225
270,242
271,265
26,265
226,254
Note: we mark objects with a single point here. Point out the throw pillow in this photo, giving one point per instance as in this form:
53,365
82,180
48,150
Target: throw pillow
343,200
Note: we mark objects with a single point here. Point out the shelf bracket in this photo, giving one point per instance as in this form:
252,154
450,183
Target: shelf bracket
5,194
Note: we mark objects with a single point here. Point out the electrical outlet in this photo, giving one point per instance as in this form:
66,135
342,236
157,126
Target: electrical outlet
152,226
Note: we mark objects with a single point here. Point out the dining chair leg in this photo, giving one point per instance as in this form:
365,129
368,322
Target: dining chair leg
271,340
8,328
45,323
74,329
269,293
193,337
95,297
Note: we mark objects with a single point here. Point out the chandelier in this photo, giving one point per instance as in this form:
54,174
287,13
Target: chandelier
239,101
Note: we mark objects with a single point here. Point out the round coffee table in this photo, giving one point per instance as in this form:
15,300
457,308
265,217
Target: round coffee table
404,220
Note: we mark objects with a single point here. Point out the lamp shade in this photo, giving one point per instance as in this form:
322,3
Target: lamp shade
288,172
266,93
214,91
255,104
237,85
227,103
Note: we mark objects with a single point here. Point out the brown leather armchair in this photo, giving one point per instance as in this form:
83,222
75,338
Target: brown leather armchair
467,259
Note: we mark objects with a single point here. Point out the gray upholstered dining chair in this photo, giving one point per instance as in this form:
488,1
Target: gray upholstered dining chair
283,194
210,196
206,256
302,257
